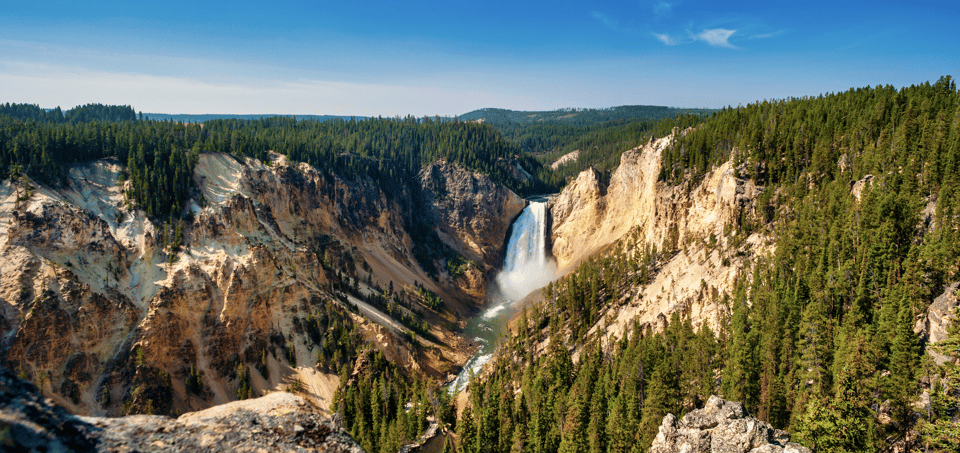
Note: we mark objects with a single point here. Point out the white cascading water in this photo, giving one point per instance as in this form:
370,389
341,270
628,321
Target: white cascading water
526,268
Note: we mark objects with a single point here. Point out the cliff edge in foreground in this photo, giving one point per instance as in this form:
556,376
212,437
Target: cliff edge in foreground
278,422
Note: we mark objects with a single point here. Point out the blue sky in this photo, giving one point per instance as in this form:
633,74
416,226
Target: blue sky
446,58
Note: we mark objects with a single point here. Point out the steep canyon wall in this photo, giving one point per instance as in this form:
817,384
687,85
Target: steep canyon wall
693,223
108,311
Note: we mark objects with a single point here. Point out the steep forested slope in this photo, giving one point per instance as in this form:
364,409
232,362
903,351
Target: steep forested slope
859,192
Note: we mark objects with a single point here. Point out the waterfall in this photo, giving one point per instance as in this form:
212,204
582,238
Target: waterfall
526,267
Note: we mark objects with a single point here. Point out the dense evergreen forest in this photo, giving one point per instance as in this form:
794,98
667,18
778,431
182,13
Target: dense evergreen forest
160,155
204,117
80,114
820,339
383,407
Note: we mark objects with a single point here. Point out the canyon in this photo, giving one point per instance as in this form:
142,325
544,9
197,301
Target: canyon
283,272
110,312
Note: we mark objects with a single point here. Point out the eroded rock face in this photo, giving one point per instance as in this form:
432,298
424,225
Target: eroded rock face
279,422
472,213
102,314
575,213
721,427
933,324
693,224
588,216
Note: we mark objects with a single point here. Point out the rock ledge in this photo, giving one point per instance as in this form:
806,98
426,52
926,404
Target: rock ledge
721,427
278,422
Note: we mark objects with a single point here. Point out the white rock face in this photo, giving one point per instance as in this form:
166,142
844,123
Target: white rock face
933,324
588,218
566,159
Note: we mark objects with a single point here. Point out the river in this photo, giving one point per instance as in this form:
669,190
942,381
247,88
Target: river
526,267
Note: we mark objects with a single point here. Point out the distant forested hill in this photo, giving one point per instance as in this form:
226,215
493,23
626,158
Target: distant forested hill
599,136
579,117
201,118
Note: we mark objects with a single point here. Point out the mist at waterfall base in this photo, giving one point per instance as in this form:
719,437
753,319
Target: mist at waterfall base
526,268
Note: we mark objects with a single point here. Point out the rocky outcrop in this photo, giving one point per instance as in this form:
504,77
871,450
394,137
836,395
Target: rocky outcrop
693,225
277,422
472,214
856,187
588,215
721,427
565,159
30,423
932,325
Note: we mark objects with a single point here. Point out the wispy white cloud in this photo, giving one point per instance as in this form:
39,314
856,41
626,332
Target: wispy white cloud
667,39
717,37
606,20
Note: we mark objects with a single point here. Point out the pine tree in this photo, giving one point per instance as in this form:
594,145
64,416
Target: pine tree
740,373
845,423
574,435
467,429
596,431
621,430
901,386
813,368
663,397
